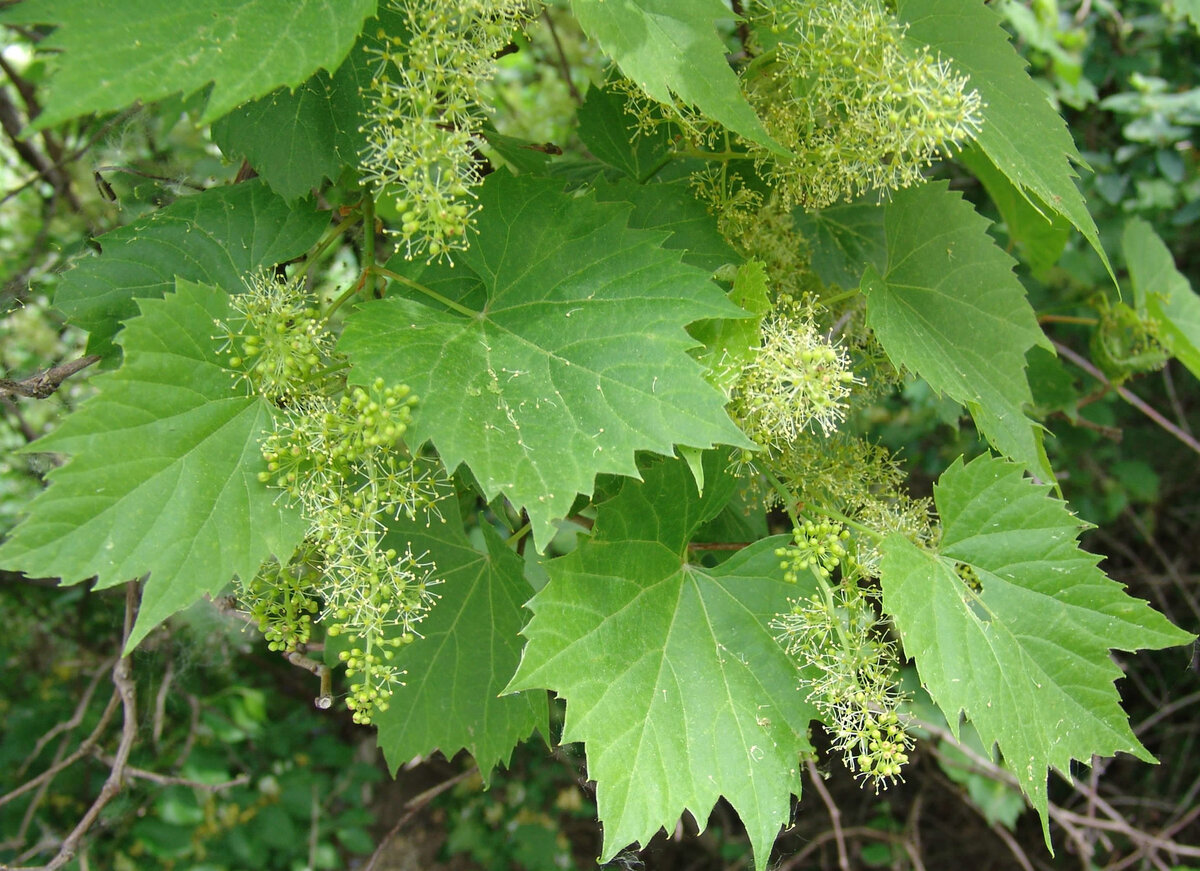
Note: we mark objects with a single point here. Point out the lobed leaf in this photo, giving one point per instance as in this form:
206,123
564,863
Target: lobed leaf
672,206
1025,655
671,676
1163,292
670,49
469,649
213,238
949,308
576,358
163,475
1040,232
296,138
1022,135
610,134
115,54
843,240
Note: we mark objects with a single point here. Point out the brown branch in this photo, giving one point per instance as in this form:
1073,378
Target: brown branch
24,87
84,749
412,807
27,431
75,719
865,832
835,814
169,780
44,384
83,149
160,702
324,701
126,691
1129,397
564,67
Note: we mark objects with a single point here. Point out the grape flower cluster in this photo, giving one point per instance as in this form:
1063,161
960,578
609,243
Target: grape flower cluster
797,379
857,107
845,659
426,110
342,460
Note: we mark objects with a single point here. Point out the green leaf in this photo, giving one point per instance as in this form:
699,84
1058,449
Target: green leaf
214,238
576,359
163,477
1026,655
732,343
843,240
672,206
1022,135
297,138
610,134
1041,232
670,673
670,49
469,649
1163,292
1190,9
949,308
116,54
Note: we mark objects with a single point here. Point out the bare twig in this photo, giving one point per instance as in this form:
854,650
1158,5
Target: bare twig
83,149
80,710
564,67
865,832
1129,397
44,384
84,749
10,121
160,701
24,87
1013,847
1181,586
193,725
170,780
412,807
126,691
75,719
1173,398
27,431
835,814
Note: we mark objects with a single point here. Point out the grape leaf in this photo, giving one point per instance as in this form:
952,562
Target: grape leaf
1041,233
296,138
610,134
1024,656
1022,135
671,49
116,54
577,358
843,239
163,471
730,344
470,648
672,206
1190,9
670,674
214,238
1163,292
949,308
